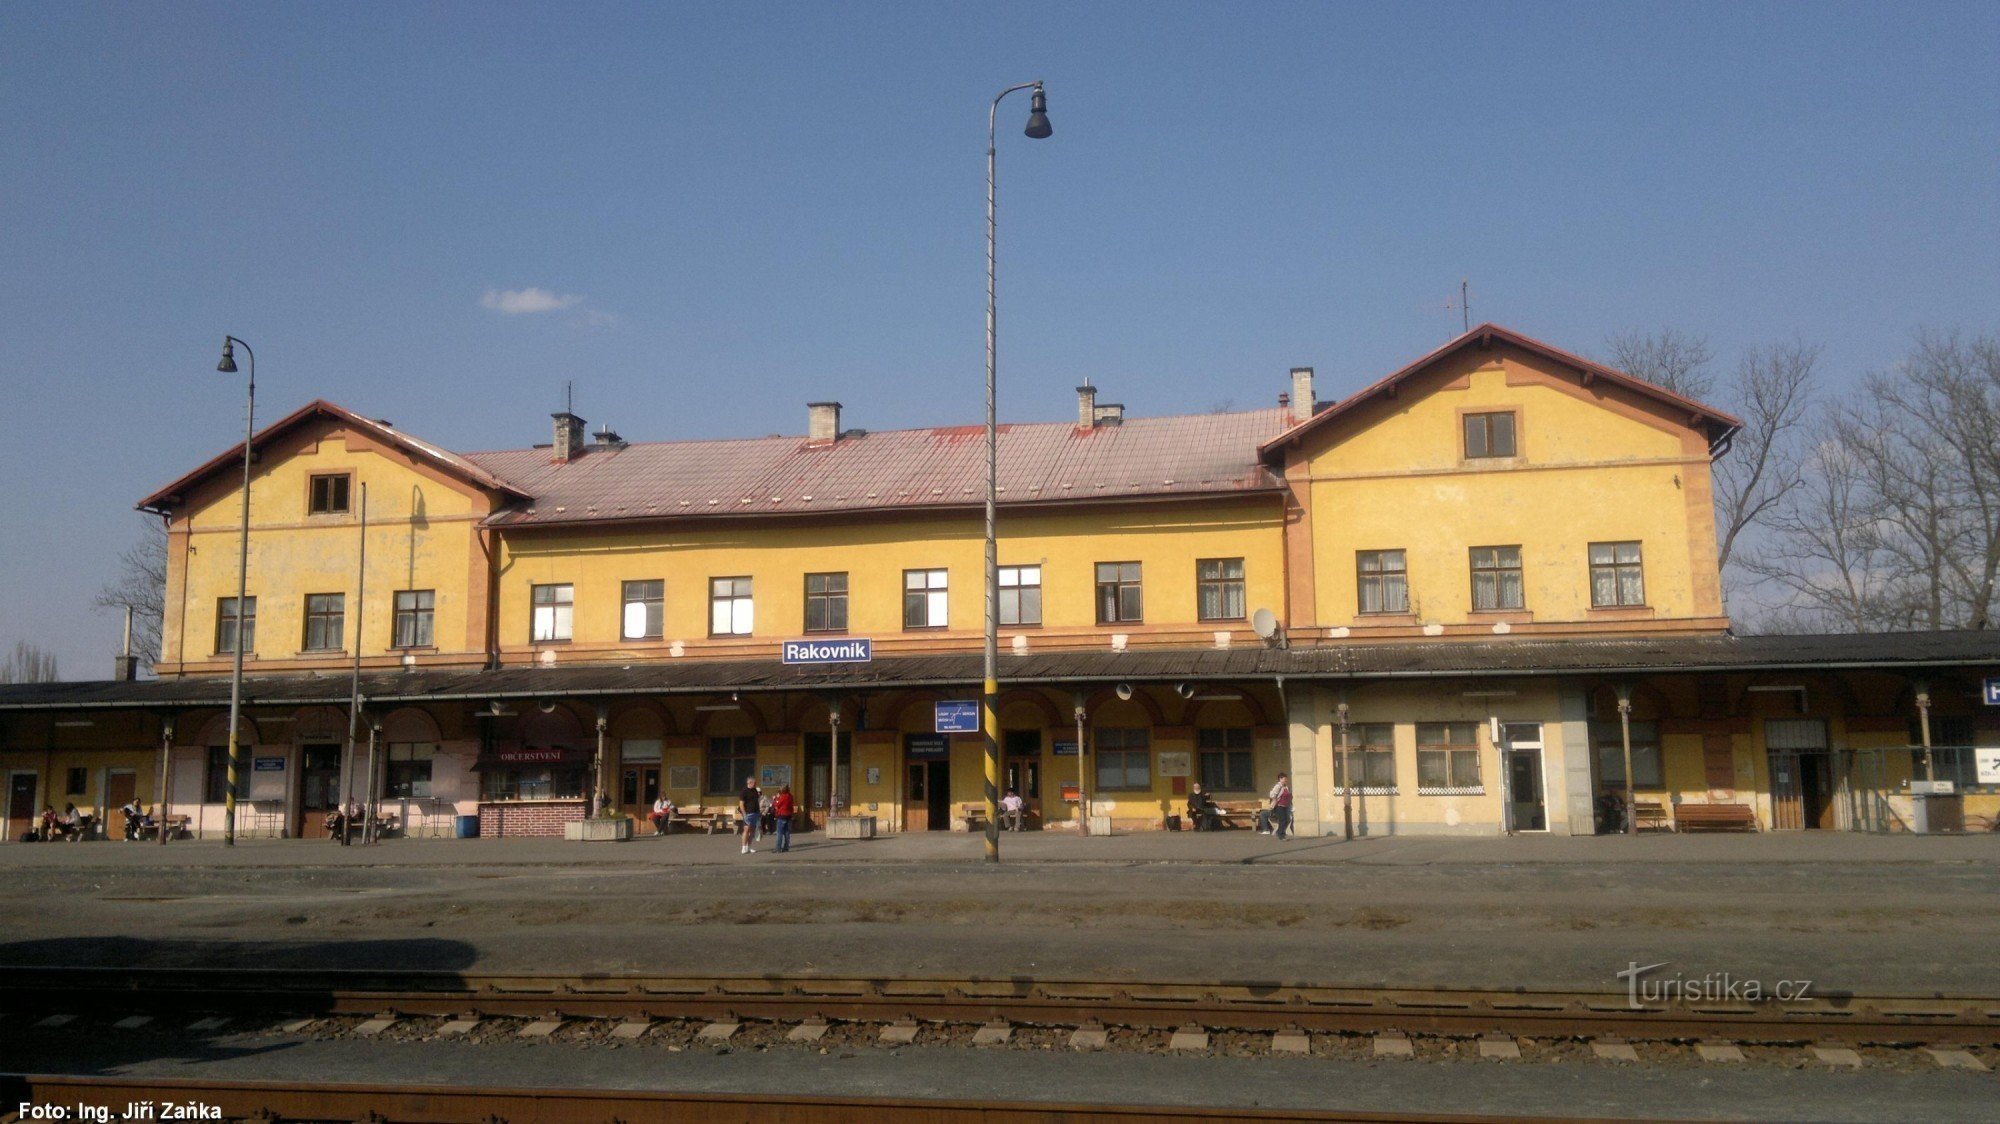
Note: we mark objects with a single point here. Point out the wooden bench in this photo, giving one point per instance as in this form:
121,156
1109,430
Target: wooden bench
710,820
1236,813
1651,815
1715,817
177,828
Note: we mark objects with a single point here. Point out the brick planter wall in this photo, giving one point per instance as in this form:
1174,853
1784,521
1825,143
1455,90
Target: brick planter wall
543,820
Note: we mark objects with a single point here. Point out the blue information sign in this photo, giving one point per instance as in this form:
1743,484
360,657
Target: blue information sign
1993,692
828,651
927,747
1065,749
960,716
267,764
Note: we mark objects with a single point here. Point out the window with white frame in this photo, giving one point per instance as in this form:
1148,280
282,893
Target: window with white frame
554,612
1020,595
645,612
1383,581
730,610
925,598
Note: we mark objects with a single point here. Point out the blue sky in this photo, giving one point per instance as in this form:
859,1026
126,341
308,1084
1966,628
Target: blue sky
738,208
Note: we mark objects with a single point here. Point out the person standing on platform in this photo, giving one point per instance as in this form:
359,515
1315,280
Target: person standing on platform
782,808
750,806
1281,807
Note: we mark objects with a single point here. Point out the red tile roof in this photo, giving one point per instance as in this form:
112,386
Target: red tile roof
944,467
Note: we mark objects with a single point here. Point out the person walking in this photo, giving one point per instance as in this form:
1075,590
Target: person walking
782,808
750,806
1281,807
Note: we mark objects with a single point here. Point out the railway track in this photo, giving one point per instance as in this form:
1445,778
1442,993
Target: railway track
1220,1006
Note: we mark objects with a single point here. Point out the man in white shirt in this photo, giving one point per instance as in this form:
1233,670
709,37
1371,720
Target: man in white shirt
1010,810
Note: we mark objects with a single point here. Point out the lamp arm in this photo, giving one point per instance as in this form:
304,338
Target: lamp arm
993,112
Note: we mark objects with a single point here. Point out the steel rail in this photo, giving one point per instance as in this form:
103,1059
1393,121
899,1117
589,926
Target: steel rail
1249,1006
270,1102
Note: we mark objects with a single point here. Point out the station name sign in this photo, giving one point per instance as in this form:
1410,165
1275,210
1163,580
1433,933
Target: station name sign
1993,692
828,651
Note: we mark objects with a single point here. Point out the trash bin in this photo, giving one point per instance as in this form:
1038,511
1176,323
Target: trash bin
468,827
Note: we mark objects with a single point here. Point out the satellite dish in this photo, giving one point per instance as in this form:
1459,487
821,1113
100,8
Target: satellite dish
1264,623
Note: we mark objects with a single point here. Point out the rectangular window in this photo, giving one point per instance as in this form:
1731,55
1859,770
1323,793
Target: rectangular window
645,610
1020,595
1022,751
730,612
731,762
1225,759
1617,578
1489,435
325,613
1371,748
409,770
229,624
1219,589
77,782
415,612
1496,578
1118,595
826,602
1384,582
217,788
1124,759
555,612
1448,758
1610,743
924,598
327,495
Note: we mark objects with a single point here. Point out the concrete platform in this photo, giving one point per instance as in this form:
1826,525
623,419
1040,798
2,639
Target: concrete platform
1854,913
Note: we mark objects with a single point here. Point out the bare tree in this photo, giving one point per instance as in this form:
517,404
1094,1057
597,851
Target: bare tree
141,585
1895,522
1669,358
28,664
1770,391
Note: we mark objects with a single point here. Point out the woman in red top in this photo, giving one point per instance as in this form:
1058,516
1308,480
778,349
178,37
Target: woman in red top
781,810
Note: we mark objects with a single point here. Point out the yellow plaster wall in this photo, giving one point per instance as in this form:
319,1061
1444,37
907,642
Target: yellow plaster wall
422,534
777,556
1585,472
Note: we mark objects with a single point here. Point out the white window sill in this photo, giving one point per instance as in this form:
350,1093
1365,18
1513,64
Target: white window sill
1475,791
1367,791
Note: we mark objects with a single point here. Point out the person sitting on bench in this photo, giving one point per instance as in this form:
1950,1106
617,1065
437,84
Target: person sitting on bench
1201,810
663,814
1010,810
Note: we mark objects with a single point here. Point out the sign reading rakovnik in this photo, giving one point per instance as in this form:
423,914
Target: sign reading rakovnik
828,651
959,716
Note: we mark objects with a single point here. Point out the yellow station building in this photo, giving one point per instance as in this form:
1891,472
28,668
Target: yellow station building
1492,576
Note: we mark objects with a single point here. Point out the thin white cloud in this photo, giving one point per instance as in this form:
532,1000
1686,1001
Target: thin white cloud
529,301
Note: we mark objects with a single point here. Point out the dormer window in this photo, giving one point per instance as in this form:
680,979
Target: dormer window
1489,435
327,495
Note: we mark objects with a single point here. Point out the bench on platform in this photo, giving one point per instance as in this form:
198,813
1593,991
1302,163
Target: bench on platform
1715,817
1238,813
710,820
177,828
1651,815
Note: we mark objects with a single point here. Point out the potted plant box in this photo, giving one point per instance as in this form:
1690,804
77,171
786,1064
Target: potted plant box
599,830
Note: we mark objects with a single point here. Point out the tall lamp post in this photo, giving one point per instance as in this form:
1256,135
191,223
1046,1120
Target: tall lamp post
228,367
1038,129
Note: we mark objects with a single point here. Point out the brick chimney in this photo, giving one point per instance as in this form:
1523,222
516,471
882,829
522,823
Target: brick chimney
569,436
1086,405
822,423
1303,402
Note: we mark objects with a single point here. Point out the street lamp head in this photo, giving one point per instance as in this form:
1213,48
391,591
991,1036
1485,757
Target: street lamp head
228,364
1038,116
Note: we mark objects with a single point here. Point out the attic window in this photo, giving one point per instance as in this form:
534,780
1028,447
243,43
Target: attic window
1489,435
327,495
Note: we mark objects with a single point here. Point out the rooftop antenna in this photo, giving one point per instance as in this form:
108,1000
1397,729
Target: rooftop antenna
569,396
1463,305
